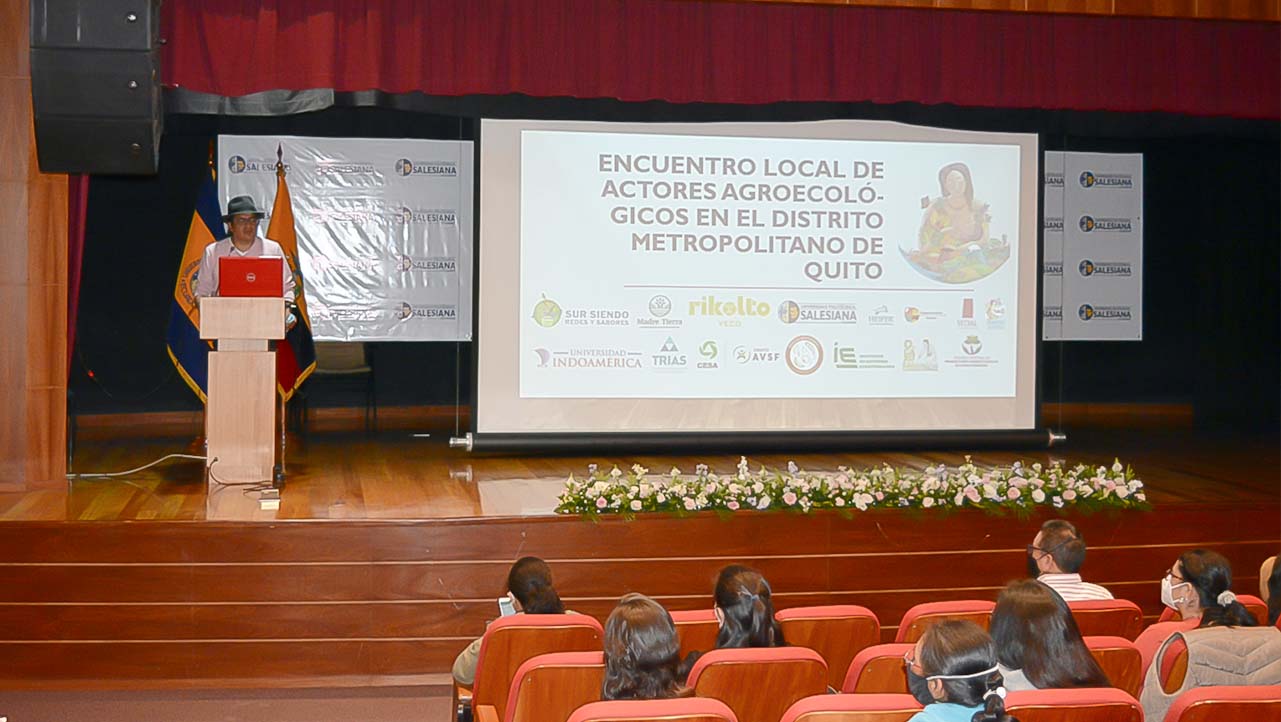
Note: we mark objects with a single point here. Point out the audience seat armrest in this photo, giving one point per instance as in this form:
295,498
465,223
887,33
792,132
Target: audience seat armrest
486,713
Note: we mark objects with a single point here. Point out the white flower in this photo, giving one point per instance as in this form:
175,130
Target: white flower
1116,466
927,502
1122,491
1058,503
1038,496
839,501
763,502
661,498
635,505
689,504
615,472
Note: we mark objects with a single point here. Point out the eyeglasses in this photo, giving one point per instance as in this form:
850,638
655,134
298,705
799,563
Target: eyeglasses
1174,577
910,660
245,220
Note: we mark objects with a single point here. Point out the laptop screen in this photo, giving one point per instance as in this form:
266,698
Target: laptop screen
256,276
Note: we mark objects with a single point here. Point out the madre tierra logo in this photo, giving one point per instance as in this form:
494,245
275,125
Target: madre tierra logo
438,168
1090,179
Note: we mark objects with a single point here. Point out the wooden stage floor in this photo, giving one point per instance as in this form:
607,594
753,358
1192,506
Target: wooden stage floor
387,551
398,476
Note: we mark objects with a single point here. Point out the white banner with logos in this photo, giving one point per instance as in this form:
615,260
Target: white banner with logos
1100,248
1052,248
1103,247
384,229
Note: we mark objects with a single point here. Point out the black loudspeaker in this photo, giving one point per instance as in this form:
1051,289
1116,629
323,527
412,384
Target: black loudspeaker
95,85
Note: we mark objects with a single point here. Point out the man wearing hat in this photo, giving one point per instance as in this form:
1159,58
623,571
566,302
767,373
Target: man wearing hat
242,219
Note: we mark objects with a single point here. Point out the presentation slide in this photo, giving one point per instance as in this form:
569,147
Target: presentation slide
838,275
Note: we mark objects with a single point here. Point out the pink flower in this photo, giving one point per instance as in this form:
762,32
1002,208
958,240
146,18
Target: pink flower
600,502
689,505
1013,493
789,498
732,506
972,493
1069,495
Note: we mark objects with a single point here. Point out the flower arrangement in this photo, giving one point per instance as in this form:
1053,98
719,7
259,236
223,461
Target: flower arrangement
1018,488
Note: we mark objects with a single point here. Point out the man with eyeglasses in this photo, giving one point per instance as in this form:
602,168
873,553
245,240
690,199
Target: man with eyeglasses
242,219
1054,558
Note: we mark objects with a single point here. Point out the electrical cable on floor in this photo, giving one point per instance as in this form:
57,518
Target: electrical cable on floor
113,474
249,486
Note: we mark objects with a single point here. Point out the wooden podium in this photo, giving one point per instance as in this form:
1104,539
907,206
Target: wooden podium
240,413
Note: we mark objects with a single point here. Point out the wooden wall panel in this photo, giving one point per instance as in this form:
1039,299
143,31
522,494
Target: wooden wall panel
33,286
162,602
1258,10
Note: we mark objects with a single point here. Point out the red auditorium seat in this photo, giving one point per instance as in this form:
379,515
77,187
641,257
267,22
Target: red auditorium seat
511,641
853,708
1108,617
759,684
918,618
878,669
1253,604
1215,704
549,687
690,709
836,632
697,630
1120,661
1101,704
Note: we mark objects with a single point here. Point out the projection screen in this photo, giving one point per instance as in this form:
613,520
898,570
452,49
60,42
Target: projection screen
755,277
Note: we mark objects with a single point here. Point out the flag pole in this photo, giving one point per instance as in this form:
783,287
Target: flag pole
278,478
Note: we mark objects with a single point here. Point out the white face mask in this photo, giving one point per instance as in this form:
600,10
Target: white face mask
1167,592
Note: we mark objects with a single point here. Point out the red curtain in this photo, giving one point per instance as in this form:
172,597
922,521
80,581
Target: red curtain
77,206
725,52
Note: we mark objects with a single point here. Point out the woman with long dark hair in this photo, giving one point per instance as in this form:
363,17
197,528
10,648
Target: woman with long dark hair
1038,642
744,607
1199,588
530,589
953,671
642,651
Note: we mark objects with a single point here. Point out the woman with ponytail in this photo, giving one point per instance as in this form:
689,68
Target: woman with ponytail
745,610
1199,588
953,671
529,587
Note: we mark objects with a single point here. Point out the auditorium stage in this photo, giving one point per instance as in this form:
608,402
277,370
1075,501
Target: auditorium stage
387,552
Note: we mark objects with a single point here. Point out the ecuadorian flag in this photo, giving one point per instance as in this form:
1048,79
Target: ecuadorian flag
296,357
188,353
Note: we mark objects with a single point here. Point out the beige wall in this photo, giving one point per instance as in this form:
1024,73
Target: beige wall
33,281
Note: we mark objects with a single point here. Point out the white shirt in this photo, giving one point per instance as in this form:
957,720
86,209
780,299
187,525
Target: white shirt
207,275
1072,589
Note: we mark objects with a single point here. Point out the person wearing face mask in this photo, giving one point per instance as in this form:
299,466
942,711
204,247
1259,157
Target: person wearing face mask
1199,588
953,672
1054,558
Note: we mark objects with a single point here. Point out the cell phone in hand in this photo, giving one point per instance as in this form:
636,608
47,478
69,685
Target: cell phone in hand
505,606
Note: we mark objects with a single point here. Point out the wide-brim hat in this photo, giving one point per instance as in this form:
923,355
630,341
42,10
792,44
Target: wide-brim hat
241,206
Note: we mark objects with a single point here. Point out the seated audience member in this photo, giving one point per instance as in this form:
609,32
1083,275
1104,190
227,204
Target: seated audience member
1199,588
1038,642
745,610
953,671
529,584
1055,557
642,652
1270,588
